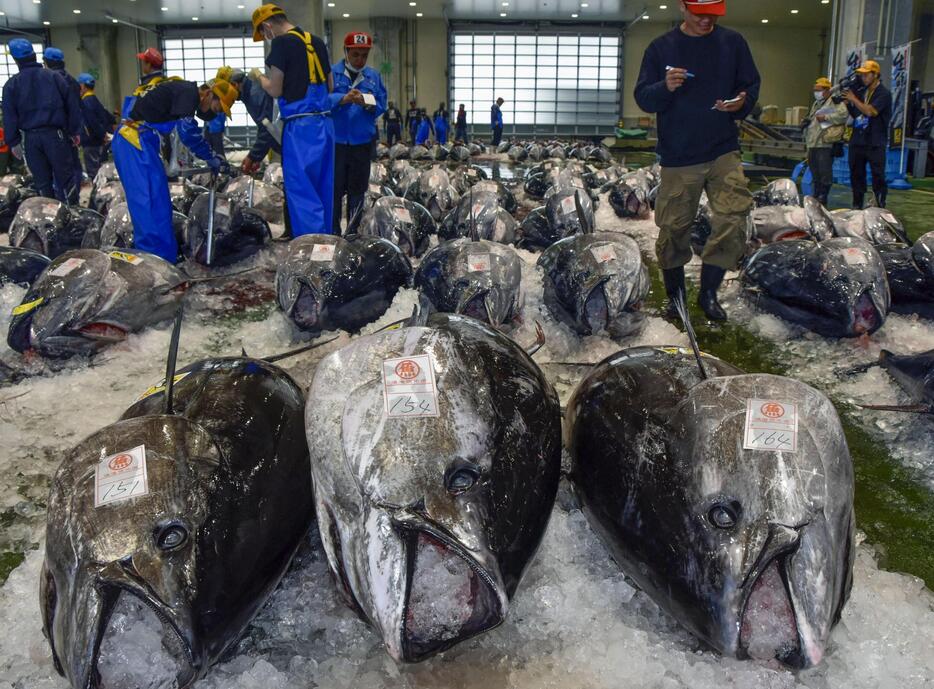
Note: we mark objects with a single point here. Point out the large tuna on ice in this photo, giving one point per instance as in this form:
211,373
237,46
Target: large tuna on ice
569,211
117,230
434,191
781,192
266,199
874,225
728,500
481,279
87,300
479,214
836,288
404,223
13,191
435,454
237,232
329,282
21,266
175,524
50,227
910,271
595,283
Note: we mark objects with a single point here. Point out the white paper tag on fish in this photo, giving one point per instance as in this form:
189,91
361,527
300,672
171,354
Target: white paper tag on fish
66,267
603,254
374,189
568,205
132,259
120,477
771,425
403,215
471,172
855,257
478,263
322,252
409,387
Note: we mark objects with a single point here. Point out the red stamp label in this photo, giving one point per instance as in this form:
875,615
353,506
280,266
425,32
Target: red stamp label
773,410
120,462
408,370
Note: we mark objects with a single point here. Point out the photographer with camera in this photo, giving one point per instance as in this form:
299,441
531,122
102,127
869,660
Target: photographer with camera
358,100
823,133
871,109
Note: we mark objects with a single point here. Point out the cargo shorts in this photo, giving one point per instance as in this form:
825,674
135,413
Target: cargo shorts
676,208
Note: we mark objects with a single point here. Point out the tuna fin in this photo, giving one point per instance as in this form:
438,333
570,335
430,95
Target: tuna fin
909,408
172,359
243,352
686,319
581,216
295,352
852,371
539,340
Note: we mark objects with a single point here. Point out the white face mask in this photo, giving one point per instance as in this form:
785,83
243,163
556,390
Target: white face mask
818,95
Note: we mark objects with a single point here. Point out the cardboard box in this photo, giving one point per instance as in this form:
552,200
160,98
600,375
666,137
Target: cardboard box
795,116
770,115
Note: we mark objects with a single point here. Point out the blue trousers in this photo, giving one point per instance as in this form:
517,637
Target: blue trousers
147,194
48,155
393,133
461,133
441,134
308,173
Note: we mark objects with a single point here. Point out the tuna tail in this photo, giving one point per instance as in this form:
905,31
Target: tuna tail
582,218
172,360
686,319
539,340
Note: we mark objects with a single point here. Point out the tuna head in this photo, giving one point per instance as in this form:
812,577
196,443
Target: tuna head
630,197
837,288
307,279
596,283
429,522
405,223
38,224
128,559
750,549
237,233
435,192
479,279
58,315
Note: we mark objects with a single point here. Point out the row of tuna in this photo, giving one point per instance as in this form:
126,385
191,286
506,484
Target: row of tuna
431,455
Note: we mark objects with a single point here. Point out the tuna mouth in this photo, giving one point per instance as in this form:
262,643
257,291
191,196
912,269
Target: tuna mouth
597,310
450,598
768,628
19,336
478,308
139,647
866,318
103,332
33,241
306,311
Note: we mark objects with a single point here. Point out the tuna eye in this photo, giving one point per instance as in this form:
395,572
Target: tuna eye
171,537
461,478
723,516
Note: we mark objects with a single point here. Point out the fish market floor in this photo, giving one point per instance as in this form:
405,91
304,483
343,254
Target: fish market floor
576,621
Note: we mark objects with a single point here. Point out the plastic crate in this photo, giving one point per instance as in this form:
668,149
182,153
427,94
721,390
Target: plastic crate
893,167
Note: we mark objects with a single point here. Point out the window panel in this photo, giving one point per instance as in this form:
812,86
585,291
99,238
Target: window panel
552,83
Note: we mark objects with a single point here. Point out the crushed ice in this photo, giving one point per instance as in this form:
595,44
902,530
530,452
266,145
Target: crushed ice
441,599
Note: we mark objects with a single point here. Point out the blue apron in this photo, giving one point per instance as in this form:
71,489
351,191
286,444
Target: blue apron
424,132
441,129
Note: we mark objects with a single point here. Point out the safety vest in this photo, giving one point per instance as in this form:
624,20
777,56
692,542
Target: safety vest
315,70
129,129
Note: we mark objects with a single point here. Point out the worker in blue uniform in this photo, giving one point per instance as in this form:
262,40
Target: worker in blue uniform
440,121
358,100
214,134
42,119
392,124
96,125
55,60
496,121
299,76
154,110
424,131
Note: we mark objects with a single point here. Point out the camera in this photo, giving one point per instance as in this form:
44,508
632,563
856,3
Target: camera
850,82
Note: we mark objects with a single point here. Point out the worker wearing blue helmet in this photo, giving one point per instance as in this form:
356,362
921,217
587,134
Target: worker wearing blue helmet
97,123
55,60
42,119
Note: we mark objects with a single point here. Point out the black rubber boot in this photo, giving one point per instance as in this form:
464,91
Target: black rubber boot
858,202
674,285
880,200
711,278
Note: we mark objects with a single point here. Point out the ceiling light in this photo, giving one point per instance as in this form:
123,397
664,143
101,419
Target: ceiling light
164,9
505,4
794,11
765,21
330,4
502,14
194,19
585,4
824,2
419,14
346,15
412,4
573,16
645,16
241,7
77,11
36,2
663,7
115,21
2,13
46,23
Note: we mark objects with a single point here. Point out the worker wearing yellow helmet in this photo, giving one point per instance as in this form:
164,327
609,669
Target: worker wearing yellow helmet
299,76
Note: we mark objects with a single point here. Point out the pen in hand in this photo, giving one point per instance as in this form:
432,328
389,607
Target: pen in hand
668,68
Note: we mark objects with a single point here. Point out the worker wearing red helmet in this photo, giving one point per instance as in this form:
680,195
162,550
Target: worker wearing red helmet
358,100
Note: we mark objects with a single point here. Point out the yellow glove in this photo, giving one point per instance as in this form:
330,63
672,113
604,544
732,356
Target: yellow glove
255,74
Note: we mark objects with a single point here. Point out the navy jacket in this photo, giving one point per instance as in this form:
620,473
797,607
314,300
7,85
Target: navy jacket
690,132
97,121
38,98
259,106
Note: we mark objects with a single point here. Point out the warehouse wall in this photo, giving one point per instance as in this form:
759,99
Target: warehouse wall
789,61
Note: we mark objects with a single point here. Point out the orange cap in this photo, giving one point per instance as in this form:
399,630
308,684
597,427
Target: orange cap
717,7
226,93
261,14
869,67
152,56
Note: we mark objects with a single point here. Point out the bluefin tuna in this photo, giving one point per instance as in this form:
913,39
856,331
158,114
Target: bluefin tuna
434,191
431,505
21,266
405,223
237,233
50,227
729,500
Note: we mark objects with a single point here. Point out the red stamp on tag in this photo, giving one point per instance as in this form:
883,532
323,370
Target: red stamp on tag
120,462
407,370
773,410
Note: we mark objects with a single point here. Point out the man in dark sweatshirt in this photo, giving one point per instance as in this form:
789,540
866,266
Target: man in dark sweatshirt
699,79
